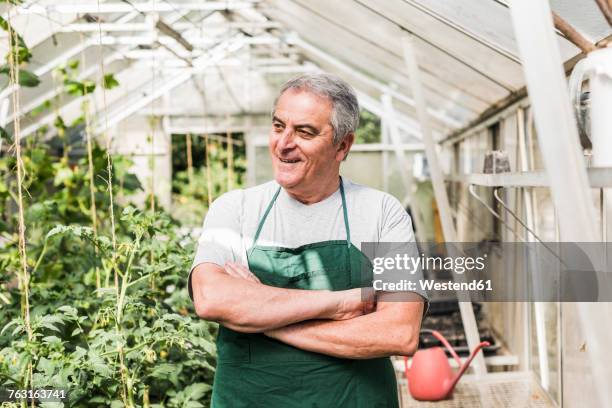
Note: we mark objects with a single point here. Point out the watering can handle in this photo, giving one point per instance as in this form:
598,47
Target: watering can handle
445,342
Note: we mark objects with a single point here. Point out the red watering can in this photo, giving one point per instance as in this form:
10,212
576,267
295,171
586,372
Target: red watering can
430,377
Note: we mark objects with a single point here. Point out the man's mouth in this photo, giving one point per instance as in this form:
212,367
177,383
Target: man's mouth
289,160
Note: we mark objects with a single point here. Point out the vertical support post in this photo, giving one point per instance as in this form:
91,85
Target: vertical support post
558,138
437,179
400,155
538,306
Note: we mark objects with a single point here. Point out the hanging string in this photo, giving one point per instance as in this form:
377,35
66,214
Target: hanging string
90,166
202,92
109,162
23,277
152,125
57,102
189,159
109,167
207,164
207,146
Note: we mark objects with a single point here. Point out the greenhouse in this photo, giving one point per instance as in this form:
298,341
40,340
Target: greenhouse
291,203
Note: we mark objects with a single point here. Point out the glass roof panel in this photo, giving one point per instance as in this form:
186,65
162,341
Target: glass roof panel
482,56
585,16
491,19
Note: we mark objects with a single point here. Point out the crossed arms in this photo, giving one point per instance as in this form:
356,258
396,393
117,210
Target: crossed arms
336,323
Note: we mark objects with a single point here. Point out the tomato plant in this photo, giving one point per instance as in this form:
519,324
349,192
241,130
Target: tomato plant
111,323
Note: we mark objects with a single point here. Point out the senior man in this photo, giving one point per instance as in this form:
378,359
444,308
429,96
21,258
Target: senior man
279,267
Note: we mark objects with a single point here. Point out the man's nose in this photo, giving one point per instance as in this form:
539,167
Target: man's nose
287,139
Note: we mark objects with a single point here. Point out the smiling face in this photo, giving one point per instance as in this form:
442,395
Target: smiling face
305,160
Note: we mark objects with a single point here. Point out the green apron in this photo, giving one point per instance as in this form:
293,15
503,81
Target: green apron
254,370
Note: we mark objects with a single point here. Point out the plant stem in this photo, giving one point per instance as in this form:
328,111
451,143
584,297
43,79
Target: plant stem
189,159
23,277
40,257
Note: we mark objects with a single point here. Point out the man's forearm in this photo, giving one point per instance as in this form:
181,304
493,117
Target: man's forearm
251,307
389,331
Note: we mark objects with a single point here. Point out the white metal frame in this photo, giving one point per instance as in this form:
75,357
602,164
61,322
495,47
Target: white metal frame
560,149
437,179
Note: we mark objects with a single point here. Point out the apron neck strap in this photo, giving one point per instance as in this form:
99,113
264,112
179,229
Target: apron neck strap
263,219
345,213
271,204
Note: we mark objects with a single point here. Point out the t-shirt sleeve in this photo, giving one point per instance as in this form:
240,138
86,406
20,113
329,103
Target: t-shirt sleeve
220,240
397,236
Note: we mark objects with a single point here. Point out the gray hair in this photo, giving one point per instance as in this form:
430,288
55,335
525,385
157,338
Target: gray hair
345,108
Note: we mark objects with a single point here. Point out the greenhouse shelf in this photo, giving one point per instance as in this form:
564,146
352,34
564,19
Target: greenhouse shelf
599,177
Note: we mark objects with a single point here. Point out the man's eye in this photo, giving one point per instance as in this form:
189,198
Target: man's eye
304,133
277,126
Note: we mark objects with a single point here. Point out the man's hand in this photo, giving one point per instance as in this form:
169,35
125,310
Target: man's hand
354,303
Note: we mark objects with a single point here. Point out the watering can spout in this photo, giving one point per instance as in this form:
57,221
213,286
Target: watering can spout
450,384
466,364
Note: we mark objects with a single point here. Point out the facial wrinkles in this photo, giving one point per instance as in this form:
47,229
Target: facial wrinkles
301,131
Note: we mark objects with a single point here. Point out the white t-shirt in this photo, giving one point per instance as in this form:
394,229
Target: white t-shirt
233,218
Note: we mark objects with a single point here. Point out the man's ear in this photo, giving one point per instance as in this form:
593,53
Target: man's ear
344,146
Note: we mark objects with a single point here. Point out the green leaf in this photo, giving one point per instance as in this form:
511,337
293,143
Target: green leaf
193,404
110,81
197,391
41,108
69,311
74,64
11,323
4,135
63,175
98,399
50,321
20,48
52,340
58,229
50,326
59,123
79,88
28,79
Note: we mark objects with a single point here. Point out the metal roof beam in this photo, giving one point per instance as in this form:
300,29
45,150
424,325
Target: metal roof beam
92,40
221,51
183,25
324,56
63,57
402,122
151,6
